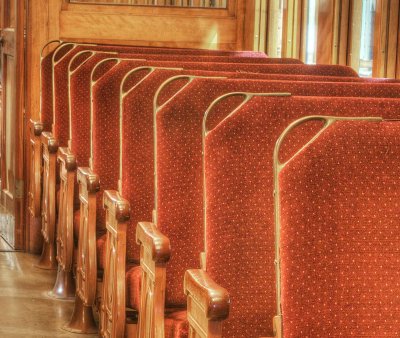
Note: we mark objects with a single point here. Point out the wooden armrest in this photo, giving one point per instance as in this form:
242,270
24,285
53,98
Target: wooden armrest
113,307
67,158
155,251
148,235
49,142
207,304
87,178
35,191
117,205
213,298
36,127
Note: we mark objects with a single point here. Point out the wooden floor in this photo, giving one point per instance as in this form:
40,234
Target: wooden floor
25,309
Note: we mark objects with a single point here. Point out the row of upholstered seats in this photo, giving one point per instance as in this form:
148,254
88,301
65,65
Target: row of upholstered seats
133,120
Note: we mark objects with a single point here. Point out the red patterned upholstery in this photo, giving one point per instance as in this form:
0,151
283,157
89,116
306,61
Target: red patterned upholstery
46,74
240,230
80,102
133,284
65,52
138,143
101,250
340,233
176,325
180,206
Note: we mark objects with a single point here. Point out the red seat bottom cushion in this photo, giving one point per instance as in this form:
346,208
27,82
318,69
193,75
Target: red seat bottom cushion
101,251
176,325
76,223
133,284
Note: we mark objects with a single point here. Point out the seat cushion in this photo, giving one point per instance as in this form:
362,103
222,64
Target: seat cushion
57,197
133,284
176,324
76,223
101,250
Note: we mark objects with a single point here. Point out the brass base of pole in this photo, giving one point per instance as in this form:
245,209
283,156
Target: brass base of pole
82,320
64,288
47,260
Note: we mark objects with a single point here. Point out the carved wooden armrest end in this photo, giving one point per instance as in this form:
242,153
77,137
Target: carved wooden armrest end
149,236
68,158
213,298
87,178
50,142
36,127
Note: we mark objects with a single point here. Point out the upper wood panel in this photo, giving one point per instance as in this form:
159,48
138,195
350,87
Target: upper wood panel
157,26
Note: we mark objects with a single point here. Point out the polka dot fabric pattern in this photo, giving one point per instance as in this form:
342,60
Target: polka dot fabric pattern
138,153
47,91
61,100
340,234
138,145
80,85
179,162
239,185
47,83
133,284
106,130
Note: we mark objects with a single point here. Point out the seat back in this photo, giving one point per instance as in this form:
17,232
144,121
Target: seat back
339,236
46,80
80,99
179,205
239,227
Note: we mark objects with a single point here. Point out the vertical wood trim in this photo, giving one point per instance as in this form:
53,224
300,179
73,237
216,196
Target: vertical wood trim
393,35
344,32
263,24
285,22
273,39
380,38
337,18
355,31
37,36
20,122
303,47
257,25
325,28
398,49
245,17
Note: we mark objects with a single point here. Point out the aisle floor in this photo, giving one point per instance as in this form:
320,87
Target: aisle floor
25,309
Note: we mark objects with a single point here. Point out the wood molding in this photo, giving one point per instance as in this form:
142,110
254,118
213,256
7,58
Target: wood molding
155,252
113,304
207,304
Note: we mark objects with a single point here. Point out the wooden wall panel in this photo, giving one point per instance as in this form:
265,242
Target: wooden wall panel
149,30
325,37
393,36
